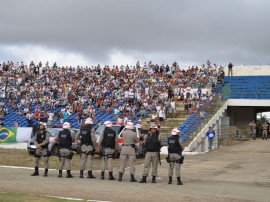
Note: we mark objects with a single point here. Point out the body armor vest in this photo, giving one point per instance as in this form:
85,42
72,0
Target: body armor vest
85,135
174,145
65,139
41,136
152,143
109,138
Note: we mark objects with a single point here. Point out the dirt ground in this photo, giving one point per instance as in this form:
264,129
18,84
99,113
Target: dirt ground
236,173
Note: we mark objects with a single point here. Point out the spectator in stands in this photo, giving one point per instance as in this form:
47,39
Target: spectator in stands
202,114
170,112
16,124
65,115
161,114
30,117
170,94
230,67
173,107
185,102
82,87
142,112
50,118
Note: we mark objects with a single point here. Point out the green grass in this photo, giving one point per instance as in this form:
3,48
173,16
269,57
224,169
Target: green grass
19,197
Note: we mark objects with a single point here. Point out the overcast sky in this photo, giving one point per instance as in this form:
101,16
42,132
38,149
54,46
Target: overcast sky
88,32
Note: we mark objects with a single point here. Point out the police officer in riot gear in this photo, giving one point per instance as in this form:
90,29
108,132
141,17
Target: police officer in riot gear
152,146
88,144
41,140
128,151
109,145
141,147
175,157
65,139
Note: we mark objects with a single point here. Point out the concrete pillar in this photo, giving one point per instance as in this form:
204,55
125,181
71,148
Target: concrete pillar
216,143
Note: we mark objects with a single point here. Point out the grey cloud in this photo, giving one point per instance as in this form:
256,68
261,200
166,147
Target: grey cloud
192,30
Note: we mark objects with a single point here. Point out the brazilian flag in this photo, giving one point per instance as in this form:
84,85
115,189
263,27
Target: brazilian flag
8,135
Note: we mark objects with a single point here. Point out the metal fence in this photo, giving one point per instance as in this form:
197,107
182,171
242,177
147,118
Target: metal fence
230,135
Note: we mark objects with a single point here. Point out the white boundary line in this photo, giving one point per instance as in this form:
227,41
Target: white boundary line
66,198
19,167
75,199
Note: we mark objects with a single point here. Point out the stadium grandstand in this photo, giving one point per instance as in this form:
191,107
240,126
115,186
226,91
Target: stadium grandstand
189,98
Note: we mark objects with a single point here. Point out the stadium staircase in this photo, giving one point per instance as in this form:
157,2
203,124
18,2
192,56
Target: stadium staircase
169,123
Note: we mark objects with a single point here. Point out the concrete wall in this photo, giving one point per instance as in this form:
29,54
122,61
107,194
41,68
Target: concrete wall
258,70
241,115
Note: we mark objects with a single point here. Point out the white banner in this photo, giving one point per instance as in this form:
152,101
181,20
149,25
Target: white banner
23,134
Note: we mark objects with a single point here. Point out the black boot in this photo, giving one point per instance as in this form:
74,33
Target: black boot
90,175
170,180
120,177
132,179
179,182
81,173
111,177
69,174
102,175
45,173
154,179
60,173
35,173
143,180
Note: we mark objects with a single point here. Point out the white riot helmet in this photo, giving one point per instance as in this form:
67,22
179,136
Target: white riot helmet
108,124
88,121
129,125
175,131
66,125
44,124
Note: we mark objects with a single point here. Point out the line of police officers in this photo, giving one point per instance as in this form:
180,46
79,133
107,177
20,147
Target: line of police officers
108,146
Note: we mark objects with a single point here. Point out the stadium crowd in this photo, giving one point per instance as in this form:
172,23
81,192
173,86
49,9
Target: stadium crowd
127,91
